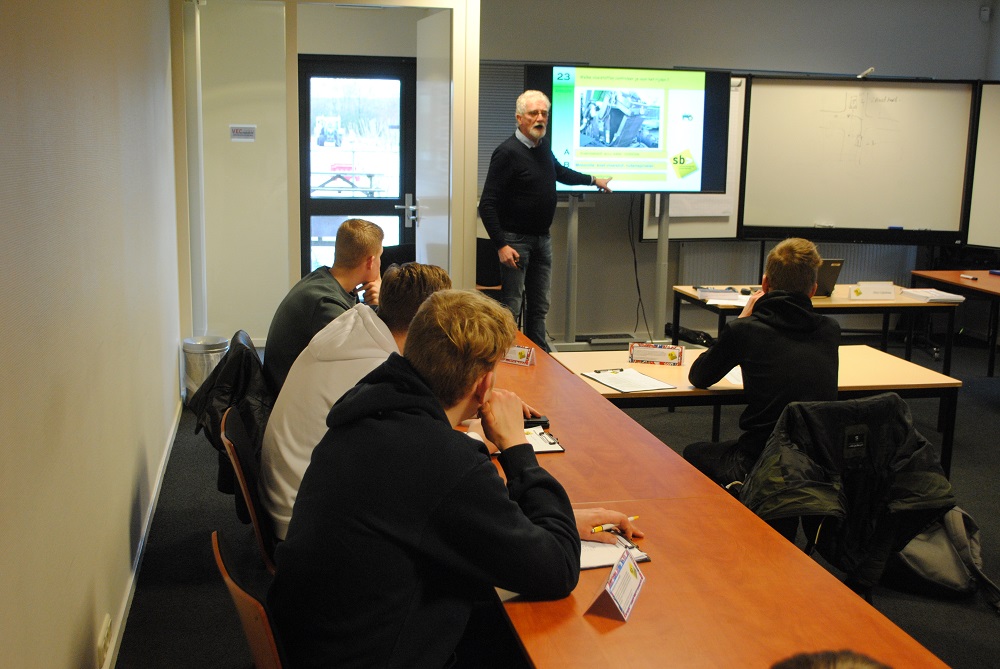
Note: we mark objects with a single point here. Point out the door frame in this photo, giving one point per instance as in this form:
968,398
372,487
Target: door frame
465,19
311,65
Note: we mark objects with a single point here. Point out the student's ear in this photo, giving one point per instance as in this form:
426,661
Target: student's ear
765,283
813,291
481,392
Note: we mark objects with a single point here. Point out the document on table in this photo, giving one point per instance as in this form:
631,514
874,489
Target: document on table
627,380
542,441
735,376
738,301
594,554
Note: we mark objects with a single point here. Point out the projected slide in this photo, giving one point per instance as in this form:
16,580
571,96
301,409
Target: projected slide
644,128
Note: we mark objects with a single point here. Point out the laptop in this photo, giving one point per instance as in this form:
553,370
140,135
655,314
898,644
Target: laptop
826,276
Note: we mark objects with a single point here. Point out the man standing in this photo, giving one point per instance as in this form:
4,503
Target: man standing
402,524
788,353
517,206
322,295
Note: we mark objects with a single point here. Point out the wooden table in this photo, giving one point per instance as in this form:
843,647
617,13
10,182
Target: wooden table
864,371
985,285
723,589
594,433
839,303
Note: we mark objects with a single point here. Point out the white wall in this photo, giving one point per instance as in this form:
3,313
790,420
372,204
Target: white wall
323,29
917,38
246,183
90,326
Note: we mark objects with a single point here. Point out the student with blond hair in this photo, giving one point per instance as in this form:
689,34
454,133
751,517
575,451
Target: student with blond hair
348,348
787,352
402,524
322,295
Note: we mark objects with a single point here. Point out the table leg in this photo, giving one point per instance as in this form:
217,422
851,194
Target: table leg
991,334
677,320
947,410
885,332
716,421
949,341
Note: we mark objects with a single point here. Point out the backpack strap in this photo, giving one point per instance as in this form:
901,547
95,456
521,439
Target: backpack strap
964,535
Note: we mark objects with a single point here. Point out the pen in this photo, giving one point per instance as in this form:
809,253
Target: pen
969,276
599,371
607,527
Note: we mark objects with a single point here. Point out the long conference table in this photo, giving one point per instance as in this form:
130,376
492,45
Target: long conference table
722,589
840,302
864,371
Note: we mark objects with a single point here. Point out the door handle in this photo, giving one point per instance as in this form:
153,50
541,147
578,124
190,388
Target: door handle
412,216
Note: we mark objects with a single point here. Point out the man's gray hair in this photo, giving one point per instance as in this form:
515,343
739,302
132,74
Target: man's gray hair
522,100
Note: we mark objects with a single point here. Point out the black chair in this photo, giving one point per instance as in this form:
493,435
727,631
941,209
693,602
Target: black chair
487,268
245,459
398,254
857,474
265,648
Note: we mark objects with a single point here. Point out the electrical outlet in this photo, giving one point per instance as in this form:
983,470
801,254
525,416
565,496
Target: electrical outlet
984,13
104,640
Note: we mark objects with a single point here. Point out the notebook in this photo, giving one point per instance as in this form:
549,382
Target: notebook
826,277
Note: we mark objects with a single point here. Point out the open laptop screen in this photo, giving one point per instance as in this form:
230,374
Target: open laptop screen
826,277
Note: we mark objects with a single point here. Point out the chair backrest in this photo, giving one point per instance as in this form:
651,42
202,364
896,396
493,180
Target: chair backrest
264,646
487,265
246,465
398,254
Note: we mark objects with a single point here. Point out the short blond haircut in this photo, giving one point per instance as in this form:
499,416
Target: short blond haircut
792,266
455,338
521,104
404,289
357,239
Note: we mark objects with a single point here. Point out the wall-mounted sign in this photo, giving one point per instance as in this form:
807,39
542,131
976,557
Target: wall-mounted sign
242,133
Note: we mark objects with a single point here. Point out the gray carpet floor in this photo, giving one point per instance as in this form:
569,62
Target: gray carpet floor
181,614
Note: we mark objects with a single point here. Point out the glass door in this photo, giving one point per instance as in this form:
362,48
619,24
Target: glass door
357,149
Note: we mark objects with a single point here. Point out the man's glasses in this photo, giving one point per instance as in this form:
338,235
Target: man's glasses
543,113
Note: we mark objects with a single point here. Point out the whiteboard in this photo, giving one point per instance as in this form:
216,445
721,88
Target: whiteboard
856,154
709,215
984,214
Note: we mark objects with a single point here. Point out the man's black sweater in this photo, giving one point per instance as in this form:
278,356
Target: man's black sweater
519,194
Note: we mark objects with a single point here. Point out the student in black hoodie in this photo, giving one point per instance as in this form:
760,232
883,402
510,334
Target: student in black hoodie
402,524
788,353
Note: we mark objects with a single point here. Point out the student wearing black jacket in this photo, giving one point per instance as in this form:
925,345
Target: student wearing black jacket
787,352
402,523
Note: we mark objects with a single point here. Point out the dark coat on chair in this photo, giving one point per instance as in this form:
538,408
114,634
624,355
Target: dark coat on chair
861,467
238,380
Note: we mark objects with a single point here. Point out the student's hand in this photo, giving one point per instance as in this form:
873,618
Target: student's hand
588,519
748,309
529,411
474,429
372,289
602,184
508,256
503,419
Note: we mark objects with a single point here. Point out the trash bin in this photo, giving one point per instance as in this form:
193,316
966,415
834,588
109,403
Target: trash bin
201,355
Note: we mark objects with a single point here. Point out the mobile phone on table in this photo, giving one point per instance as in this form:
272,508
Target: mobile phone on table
534,421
